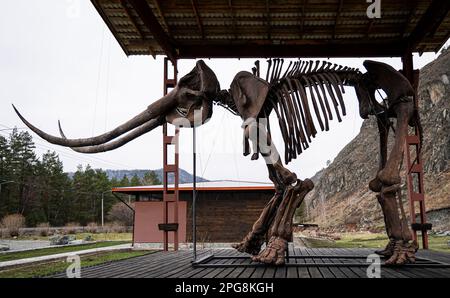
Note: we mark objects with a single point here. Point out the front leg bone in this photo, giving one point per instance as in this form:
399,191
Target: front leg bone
281,229
389,175
383,131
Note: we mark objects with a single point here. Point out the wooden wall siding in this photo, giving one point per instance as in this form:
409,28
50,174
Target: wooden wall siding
225,216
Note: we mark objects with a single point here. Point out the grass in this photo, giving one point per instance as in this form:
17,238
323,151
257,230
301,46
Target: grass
45,269
80,236
373,240
55,250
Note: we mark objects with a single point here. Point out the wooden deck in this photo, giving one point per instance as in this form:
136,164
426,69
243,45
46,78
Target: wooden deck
178,265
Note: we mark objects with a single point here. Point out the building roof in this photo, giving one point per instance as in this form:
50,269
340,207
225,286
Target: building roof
221,185
275,28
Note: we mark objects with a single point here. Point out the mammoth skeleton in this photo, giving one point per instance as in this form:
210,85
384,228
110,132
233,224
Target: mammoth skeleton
303,94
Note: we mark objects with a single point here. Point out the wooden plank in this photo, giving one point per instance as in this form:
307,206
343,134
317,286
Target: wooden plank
156,267
358,272
345,270
247,273
313,271
215,271
230,270
259,271
326,272
238,270
127,266
269,272
180,269
337,272
301,271
172,266
292,271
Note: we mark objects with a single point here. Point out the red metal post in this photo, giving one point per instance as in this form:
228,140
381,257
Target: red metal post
170,196
414,167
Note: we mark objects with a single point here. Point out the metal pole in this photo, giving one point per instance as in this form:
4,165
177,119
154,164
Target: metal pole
103,217
194,196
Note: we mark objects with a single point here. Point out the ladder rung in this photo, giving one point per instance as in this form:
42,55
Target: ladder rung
170,83
415,196
168,227
170,168
421,226
169,197
416,168
413,140
169,139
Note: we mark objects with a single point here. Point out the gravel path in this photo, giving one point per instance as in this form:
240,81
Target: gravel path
24,244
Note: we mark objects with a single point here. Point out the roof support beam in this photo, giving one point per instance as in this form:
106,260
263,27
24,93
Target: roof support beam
336,20
302,24
233,18
369,27
148,18
429,22
158,8
311,50
111,27
197,17
132,20
413,7
269,33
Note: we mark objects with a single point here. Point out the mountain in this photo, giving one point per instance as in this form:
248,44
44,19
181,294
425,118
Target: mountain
185,177
341,197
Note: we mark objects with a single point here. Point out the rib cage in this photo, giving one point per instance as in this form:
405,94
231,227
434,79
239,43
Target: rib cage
304,88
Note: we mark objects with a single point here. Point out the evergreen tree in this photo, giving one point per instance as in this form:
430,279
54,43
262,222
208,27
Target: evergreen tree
151,178
53,192
124,182
135,181
21,161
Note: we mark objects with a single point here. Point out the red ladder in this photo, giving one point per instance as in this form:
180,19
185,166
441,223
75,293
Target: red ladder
170,195
414,168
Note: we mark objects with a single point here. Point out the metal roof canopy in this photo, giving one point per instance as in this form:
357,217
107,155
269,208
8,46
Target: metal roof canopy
275,28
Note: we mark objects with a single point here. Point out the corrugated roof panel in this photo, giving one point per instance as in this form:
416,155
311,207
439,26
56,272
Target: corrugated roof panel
249,21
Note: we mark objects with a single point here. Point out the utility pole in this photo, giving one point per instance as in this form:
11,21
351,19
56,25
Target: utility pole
103,207
103,216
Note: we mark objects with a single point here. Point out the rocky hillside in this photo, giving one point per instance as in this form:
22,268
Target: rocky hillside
341,197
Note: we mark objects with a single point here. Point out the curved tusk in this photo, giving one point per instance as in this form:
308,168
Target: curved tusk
137,132
156,109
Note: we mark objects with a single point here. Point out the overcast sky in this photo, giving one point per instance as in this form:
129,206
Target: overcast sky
61,63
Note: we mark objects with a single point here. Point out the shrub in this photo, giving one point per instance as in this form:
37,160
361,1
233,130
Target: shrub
44,229
122,214
115,227
92,227
71,227
13,223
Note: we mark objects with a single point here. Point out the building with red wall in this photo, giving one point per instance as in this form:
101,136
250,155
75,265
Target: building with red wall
226,210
